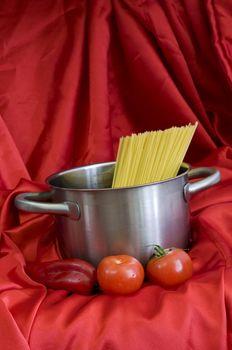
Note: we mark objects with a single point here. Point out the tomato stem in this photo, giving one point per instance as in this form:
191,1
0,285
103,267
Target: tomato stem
159,251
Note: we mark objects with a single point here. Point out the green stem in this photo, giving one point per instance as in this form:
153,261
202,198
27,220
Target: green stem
159,251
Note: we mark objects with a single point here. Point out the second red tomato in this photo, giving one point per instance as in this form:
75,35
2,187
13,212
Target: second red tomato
169,267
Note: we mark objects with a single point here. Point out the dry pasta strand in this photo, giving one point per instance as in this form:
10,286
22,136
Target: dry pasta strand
151,156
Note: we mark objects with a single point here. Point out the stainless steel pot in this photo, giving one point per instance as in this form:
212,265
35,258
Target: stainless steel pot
94,220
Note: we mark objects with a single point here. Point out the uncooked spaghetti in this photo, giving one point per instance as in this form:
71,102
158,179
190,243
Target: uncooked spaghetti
151,156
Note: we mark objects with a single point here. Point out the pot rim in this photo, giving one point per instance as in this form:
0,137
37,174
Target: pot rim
53,176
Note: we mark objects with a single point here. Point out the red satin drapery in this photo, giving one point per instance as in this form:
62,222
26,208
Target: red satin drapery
76,75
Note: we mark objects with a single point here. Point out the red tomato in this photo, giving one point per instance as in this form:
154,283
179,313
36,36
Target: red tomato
169,267
120,274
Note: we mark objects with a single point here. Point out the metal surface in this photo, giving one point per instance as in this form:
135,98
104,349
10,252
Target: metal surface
32,202
212,177
95,220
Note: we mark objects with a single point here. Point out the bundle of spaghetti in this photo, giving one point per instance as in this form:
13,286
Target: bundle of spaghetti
151,156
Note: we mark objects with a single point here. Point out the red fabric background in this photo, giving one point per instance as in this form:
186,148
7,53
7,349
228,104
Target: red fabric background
75,76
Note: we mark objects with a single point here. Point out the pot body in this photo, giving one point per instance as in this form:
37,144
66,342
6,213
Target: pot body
119,221
102,221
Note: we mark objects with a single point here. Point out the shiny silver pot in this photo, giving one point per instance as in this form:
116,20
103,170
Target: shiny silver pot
94,220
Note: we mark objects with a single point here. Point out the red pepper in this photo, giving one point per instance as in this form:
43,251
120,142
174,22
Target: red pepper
74,275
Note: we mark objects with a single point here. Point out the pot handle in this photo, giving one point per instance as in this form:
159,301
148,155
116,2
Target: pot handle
211,177
35,202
